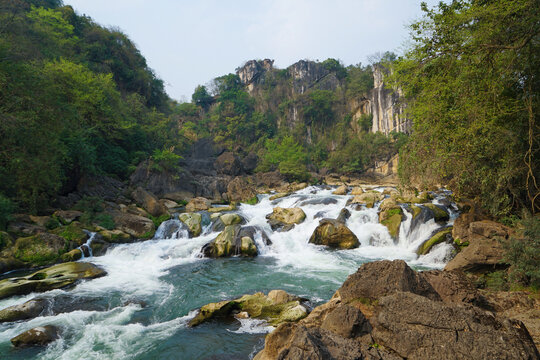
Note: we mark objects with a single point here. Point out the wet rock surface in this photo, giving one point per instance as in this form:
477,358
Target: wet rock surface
38,336
335,234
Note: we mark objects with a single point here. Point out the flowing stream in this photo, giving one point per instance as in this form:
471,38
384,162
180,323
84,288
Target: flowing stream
141,308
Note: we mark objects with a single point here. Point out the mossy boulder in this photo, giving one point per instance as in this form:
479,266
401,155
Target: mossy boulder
41,249
234,240
72,232
335,234
54,277
227,219
368,198
193,222
114,236
441,236
284,219
67,216
415,211
72,255
5,240
273,309
38,336
439,213
391,216
30,309
278,196
357,191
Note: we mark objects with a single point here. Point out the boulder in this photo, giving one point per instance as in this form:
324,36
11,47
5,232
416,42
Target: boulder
73,232
169,204
334,234
440,214
149,202
226,220
41,249
275,309
114,236
357,191
391,216
415,327
240,190
193,221
67,216
284,219
249,162
453,287
292,341
38,336
230,242
55,277
28,310
344,215
278,196
228,164
368,198
346,321
24,228
484,252
137,226
341,190
73,255
439,236
198,204
380,278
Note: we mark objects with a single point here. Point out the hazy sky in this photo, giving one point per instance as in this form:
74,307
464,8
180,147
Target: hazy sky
191,42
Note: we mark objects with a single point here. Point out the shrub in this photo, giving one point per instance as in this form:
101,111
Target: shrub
523,252
6,209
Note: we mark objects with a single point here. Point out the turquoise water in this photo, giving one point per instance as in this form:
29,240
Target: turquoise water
141,308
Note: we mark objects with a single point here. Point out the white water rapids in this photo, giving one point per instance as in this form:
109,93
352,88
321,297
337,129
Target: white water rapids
141,308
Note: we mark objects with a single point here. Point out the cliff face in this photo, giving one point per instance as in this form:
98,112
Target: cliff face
388,112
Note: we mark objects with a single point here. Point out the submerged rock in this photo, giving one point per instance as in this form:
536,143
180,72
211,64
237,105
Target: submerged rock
276,307
54,277
334,233
284,219
40,336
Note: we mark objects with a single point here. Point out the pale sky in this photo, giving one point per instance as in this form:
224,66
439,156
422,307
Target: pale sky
188,43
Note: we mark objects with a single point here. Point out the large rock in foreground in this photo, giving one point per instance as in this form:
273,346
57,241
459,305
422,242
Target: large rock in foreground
276,307
234,240
335,234
387,311
41,335
284,219
54,277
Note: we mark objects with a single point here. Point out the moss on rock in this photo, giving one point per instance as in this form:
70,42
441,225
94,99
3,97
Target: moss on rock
438,238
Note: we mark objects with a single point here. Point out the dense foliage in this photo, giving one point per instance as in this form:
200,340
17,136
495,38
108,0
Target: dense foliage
75,98
471,82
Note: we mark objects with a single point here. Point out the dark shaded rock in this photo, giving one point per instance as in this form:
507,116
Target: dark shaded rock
101,186
344,215
381,278
228,164
67,216
334,234
249,162
38,336
437,237
418,328
439,212
321,201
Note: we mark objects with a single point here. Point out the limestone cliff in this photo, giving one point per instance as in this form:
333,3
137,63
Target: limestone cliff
386,108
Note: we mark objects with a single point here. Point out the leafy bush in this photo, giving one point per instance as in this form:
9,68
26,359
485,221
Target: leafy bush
288,156
6,209
165,160
523,252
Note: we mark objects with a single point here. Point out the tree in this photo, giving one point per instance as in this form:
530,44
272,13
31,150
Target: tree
201,97
471,81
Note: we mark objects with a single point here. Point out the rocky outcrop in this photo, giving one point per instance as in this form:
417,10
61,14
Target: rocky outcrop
232,241
137,226
277,307
229,164
55,277
387,110
193,222
484,251
335,234
240,190
149,202
38,336
387,311
251,73
198,204
284,219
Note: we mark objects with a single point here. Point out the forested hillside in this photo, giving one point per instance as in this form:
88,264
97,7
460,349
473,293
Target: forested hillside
75,98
